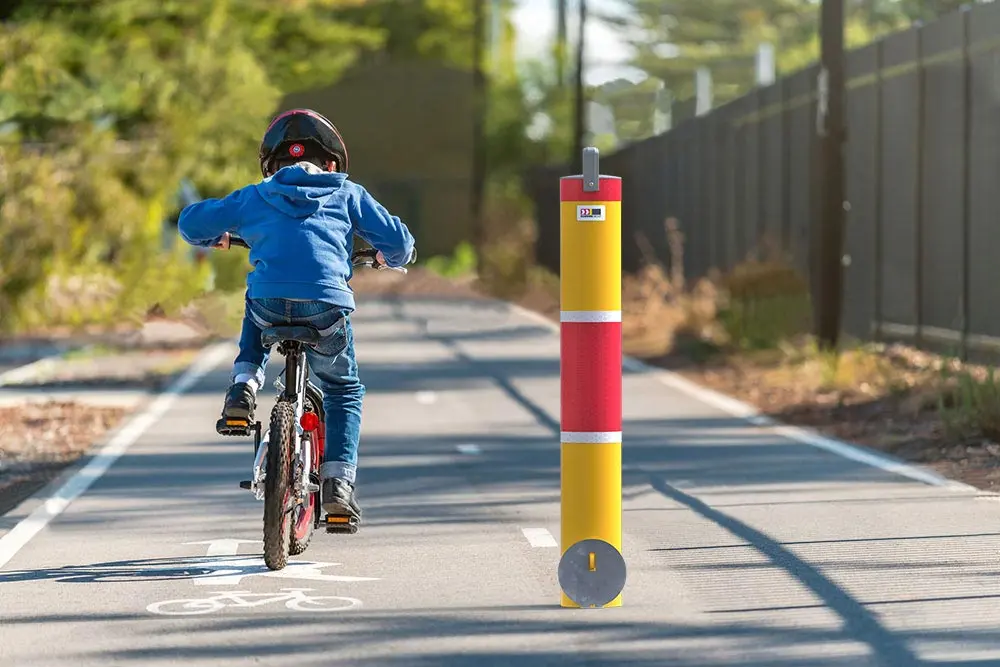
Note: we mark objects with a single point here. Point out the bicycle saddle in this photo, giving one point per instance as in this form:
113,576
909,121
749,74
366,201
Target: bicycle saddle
299,333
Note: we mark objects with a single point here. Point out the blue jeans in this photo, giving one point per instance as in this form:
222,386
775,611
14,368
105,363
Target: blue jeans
332,362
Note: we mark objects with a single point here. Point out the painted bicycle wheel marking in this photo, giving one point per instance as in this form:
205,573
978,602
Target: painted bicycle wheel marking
222,566
295,599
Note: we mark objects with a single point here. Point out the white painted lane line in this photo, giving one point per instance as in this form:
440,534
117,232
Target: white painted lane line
31,525
223,547
539,538
29,371
753,416
468,449
426,397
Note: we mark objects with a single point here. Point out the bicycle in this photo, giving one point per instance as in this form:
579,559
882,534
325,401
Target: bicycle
288,455
294,599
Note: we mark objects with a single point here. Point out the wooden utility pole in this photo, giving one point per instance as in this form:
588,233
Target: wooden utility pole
829,272
561,10
580,107
479,132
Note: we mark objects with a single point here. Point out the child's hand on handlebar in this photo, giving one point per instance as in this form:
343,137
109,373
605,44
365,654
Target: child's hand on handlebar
223,243
380,258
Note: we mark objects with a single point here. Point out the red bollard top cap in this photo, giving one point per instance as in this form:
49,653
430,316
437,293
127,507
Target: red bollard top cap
571,189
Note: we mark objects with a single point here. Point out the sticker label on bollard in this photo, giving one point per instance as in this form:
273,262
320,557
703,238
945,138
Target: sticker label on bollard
592,573
591,213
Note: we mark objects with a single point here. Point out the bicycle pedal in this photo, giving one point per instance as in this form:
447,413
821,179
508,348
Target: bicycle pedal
246,484
233,427
347,525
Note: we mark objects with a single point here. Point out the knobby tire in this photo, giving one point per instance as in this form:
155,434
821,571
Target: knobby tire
277,486
300,544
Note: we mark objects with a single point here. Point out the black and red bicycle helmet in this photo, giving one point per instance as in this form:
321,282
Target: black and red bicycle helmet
301,134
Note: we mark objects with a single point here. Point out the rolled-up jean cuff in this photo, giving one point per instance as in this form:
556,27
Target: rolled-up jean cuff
250,368
339,469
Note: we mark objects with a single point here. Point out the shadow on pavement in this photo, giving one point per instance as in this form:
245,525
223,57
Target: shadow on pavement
412,637
663,454
123,571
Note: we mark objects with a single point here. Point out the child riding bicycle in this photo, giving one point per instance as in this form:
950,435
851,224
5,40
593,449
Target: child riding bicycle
300,223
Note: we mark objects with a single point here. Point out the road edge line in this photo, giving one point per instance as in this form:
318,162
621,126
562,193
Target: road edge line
56,503
30,370
747,412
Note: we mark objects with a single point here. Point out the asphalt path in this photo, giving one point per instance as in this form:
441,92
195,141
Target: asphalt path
745,545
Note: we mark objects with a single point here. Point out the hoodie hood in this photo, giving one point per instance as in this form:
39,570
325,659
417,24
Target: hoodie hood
300,190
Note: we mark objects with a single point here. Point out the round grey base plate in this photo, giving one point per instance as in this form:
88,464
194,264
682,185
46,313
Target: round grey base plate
592,587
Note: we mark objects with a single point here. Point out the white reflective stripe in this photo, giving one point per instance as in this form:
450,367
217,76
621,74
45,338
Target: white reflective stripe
591,437
590,316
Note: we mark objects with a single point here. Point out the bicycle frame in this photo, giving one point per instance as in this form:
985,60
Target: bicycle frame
294,391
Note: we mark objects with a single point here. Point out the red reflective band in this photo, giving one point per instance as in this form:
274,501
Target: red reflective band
309,421
591,374
571,189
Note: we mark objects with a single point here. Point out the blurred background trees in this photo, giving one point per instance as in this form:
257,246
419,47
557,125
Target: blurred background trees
108,106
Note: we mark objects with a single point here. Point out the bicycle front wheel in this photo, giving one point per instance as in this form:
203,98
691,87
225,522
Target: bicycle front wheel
185,607
277,486
323,603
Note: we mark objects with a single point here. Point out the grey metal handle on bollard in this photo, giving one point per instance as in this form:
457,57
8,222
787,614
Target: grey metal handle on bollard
591,169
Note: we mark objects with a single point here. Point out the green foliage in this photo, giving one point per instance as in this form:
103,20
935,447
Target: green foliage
106,106
460,264
30,222
969,403
439,30
673,38
767,303
542,110
633,106
857,32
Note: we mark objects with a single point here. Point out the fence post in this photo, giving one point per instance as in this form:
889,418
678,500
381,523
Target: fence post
591,569
966,185
877,329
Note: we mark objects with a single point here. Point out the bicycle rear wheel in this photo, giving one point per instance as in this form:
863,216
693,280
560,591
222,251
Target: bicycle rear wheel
304,514
277,486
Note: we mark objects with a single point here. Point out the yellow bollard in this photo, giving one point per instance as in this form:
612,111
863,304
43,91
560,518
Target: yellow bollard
591,568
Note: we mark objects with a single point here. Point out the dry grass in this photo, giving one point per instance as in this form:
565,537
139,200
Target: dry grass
746,333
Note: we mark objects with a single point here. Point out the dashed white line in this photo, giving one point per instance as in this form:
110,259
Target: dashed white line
426,397
539,538
469,449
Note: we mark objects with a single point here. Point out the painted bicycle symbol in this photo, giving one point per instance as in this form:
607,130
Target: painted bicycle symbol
294,599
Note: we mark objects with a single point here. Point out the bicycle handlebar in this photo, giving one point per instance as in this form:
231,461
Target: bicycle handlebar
358,258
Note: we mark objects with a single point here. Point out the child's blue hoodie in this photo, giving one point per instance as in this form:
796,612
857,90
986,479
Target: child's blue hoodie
300,224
